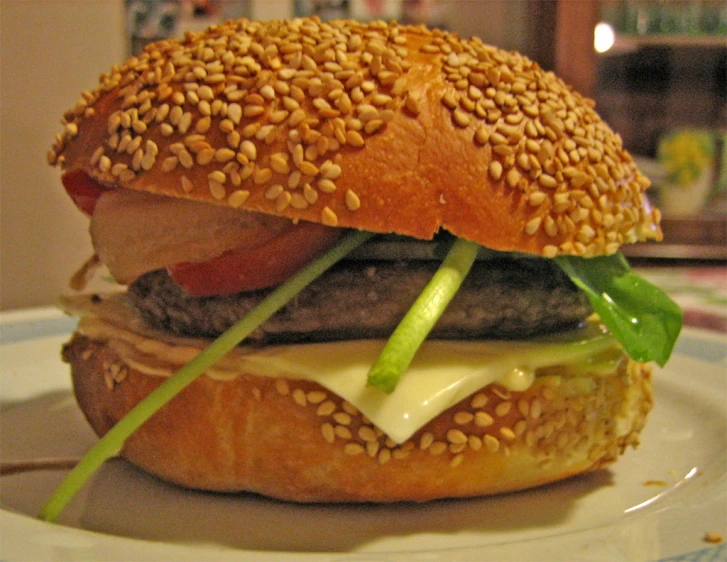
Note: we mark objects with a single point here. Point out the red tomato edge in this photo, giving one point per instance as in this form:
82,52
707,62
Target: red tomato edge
83,190
259,267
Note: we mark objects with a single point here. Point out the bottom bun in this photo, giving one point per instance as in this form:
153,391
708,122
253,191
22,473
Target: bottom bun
295,440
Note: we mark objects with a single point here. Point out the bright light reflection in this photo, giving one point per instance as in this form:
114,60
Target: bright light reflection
688,476
603,37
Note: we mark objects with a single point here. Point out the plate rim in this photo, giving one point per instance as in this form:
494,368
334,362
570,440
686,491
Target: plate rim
15,319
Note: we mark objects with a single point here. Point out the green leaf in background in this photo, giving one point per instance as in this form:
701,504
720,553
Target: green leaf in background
641,316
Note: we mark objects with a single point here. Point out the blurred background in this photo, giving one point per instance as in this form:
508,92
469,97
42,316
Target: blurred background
656,68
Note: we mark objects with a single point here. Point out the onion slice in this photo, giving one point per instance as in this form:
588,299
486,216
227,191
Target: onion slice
136,232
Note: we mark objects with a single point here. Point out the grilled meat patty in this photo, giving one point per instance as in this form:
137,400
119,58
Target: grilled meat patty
502,298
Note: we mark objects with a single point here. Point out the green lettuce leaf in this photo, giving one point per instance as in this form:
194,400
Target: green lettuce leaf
641,316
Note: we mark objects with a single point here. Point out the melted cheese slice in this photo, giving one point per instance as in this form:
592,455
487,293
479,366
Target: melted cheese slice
442,373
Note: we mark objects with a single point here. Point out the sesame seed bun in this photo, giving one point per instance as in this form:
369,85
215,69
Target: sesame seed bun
384,128
374,126
295,440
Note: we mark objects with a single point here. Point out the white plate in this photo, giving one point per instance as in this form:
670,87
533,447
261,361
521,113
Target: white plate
657,503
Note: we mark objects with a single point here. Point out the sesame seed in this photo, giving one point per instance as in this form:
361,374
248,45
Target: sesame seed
136,160
367,434
326,408
498,139
223,155
512,178
412,104
354,138
279,163
185,159
463,418
342,432
326,186
328,433
450,101
532,226
547,181
461,119
483,419
251,111
328,217
503,408
203,124
268,92
426,440
311,196
282,201
456,461
117,168
482,135
249,149
273,192
139,127
495,170
217,176
479,400
123,142
523,407
96,156
491,443
536,198
169,163
384,456
372,448
536,408
507,433
299,397
437,448
262,175
332,172
237,199
352,200
281,385
308,168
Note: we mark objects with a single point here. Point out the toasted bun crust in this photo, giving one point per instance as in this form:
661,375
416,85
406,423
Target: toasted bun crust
373,126
296,441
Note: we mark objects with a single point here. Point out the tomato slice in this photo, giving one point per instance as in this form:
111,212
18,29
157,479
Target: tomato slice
242,269
83,190
247,269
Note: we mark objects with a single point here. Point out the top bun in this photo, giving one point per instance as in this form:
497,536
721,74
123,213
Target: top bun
375,126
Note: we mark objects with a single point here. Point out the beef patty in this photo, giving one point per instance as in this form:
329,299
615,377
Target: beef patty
502,298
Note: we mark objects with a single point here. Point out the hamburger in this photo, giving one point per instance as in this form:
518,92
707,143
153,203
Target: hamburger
420,235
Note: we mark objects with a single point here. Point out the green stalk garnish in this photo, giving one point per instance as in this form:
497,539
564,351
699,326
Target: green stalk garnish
422,316
641,316
110,444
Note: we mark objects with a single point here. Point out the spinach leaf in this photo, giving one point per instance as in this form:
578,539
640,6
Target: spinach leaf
641,316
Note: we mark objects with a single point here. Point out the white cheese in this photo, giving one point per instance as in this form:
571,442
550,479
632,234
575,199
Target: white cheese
442,373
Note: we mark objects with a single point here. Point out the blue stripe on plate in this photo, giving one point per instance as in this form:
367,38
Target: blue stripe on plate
713,554
12,332
712,351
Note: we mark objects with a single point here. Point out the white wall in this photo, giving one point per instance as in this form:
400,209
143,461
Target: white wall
51,50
